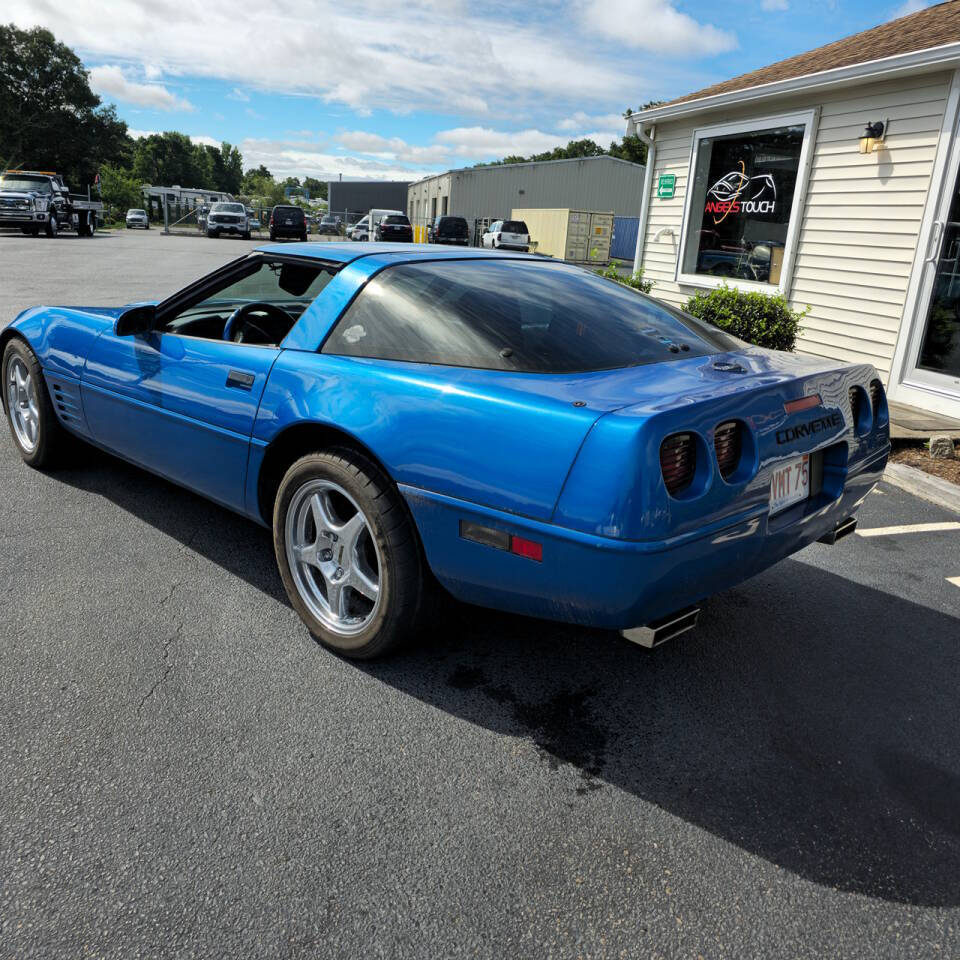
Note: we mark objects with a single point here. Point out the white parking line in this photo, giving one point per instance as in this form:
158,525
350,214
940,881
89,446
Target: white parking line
908,528
954,580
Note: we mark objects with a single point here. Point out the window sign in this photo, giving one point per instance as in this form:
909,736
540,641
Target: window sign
741,213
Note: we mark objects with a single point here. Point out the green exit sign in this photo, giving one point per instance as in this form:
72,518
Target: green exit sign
666,185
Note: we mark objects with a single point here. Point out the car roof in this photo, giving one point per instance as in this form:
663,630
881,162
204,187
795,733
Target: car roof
398,252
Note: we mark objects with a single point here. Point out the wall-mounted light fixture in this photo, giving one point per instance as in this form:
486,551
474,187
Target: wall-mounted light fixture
873,137
663,232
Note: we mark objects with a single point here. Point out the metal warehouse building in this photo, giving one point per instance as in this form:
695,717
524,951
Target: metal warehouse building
352,199
585,183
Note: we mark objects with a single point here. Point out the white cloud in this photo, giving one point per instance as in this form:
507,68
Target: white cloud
110,81
472,59
237,94
581,120
911,6
655,25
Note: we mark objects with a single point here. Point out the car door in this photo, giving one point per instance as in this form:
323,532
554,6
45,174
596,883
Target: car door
180,400
180,406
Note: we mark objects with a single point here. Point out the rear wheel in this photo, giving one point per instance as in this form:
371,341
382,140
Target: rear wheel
348,553
33,423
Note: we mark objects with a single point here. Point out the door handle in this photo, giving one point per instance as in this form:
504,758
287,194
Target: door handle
938,233
240,379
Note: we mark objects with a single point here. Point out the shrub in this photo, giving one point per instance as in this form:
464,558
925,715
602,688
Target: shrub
635,281
763,319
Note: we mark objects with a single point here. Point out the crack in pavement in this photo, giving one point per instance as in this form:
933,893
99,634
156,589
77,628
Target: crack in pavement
167,644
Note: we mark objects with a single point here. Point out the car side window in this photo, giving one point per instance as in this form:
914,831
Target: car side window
290,286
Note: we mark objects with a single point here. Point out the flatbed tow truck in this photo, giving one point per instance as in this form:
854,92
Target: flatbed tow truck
36,200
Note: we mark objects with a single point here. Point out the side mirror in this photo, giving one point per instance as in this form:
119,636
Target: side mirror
136,321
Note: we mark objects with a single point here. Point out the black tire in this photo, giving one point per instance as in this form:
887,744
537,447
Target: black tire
52,226
246,236
303,238
273,238
129,227
52,439
396,617
146,226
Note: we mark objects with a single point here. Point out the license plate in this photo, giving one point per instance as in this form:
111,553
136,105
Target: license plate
790,483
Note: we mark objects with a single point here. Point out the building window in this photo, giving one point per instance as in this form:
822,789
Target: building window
742,209
433,208
445,199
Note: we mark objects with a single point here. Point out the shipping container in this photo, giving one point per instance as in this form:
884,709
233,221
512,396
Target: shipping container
579,236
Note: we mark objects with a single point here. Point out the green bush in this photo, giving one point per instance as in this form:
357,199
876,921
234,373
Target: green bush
763,319
635,281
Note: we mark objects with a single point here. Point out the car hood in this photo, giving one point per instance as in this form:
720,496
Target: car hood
18,194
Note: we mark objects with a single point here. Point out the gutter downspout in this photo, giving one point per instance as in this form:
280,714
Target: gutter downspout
649,140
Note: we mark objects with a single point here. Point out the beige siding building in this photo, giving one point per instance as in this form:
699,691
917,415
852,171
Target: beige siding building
767,182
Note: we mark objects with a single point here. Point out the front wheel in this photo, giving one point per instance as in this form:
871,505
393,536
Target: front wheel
33,424
52,227
348,553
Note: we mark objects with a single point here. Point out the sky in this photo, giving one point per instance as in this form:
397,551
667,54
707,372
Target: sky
398,89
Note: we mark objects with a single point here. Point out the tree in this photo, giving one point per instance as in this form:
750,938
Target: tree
50,119
172,158
232,166
317,188
119,190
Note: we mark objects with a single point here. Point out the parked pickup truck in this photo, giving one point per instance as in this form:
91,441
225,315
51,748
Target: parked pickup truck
39,200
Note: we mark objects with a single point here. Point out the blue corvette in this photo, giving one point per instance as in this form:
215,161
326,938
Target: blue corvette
533,437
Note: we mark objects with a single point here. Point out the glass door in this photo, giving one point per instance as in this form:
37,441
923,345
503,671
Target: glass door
937,355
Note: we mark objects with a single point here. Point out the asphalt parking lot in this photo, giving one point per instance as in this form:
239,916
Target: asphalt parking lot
183,772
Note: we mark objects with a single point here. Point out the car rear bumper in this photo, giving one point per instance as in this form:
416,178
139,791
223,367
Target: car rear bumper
618,584
286,231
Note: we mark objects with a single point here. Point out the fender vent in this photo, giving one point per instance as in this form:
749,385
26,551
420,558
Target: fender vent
678,462
876,395
727,442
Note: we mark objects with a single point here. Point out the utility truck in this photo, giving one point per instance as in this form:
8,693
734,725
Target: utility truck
36,200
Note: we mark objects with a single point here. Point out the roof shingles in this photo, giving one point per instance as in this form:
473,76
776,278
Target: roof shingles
927,28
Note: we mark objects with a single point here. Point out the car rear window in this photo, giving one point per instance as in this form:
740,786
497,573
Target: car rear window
514,315
288,211
400,220
514,226
453,226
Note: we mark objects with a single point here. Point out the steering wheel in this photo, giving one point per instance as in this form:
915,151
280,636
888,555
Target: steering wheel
239,322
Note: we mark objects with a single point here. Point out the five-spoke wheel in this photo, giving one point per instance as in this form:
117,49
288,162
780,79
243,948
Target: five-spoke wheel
348,553
22,406
33,424
333,556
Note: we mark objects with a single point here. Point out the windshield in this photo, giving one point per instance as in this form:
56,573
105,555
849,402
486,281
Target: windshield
25,183
515,315
514,226
141,213
227,208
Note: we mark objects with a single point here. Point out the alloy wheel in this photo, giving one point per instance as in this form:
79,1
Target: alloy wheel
22,406
333,557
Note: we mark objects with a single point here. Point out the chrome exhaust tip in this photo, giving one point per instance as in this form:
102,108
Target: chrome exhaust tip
666,628
843,529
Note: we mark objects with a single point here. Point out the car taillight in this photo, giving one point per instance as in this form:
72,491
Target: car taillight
727,442
876,396
678,461
854,394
